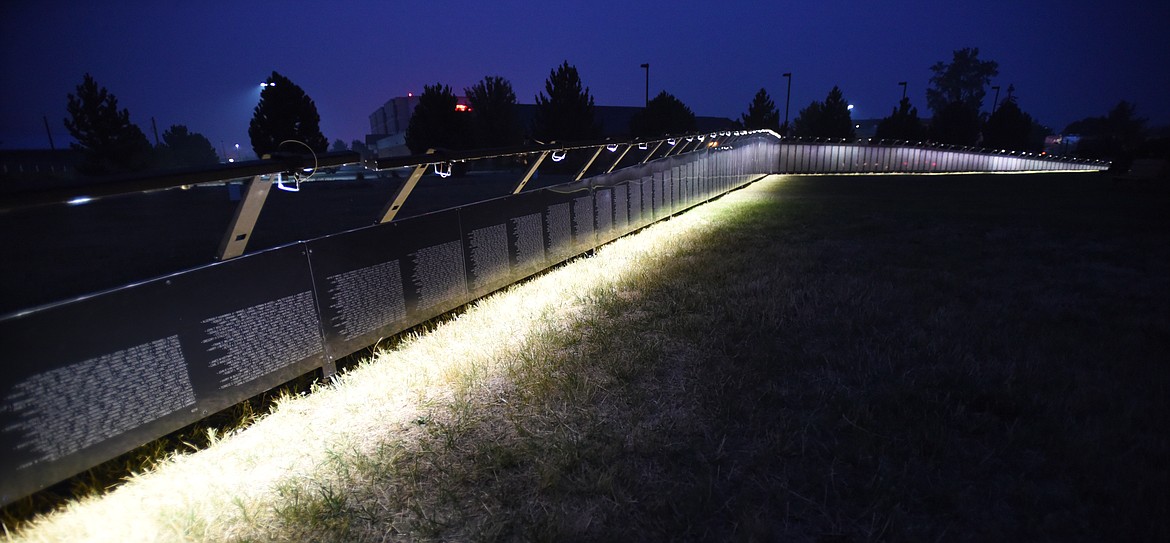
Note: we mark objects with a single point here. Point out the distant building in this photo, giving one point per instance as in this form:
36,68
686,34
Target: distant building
393,116
1061,144
388,123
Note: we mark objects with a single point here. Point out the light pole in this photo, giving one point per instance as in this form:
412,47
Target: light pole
647,66
903,83
787,100
996,102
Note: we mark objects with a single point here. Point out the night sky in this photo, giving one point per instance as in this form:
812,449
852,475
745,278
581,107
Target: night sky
187,63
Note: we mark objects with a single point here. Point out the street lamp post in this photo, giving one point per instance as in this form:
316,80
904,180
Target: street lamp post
787,100
647,66
903,83
996,102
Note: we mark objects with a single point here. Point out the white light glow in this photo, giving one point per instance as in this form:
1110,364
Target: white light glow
296,187
79,201
558,157
237,488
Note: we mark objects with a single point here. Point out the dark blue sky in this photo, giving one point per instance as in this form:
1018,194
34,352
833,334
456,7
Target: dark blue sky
188,63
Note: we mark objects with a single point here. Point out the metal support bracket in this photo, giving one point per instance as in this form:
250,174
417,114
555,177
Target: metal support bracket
395,205
619,158
529,173
328,369
235,240
652,151
581,173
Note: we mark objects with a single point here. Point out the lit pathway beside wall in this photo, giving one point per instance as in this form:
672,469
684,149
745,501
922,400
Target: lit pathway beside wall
237,487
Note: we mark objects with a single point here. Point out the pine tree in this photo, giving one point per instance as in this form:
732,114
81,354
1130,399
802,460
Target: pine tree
1008,128
436,123
828,119
285,113
182,148
663,115
566,113
956,124
493,113
109,141
761,113
902,124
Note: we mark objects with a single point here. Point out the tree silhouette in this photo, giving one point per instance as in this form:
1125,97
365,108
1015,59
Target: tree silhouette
663,115
902,124
566,113
182,148
493,113
284,113
1114,136
1008,128
436,123
828,119
338,146
962,80
956,124
359,146
761,113
109,141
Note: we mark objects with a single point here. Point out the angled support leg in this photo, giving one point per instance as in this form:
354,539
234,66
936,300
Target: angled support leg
619,158
581,173
652,151
395,205
239,231
529,173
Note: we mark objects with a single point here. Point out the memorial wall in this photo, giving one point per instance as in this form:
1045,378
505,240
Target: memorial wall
94,377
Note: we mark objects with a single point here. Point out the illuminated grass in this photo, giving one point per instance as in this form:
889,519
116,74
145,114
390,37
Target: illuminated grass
864,358
370,432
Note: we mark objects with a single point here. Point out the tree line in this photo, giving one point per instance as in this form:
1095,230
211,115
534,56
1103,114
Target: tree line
109,143
956,96
565,111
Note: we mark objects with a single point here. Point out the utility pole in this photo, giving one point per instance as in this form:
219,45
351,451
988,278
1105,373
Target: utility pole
49,132
996,102
647,66
903,83
154,127
787,100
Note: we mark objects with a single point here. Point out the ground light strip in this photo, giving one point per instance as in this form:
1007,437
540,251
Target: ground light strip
219,492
